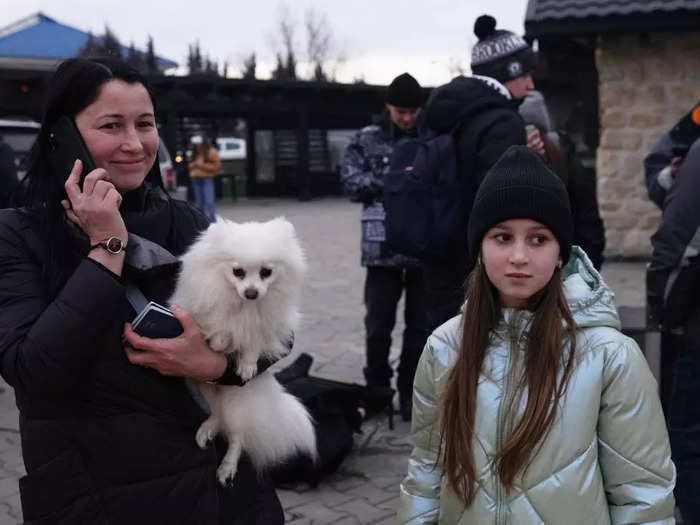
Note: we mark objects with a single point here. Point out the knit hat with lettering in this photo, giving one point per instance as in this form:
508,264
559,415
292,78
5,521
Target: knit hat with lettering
500,54
521,186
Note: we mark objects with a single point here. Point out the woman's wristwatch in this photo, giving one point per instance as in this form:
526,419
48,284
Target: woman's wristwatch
113,245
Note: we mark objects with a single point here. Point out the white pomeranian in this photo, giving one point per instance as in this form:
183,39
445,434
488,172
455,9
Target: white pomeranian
242,284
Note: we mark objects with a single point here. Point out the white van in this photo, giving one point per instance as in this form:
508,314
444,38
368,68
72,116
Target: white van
231,148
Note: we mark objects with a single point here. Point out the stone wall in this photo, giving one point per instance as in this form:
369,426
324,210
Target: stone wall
646,83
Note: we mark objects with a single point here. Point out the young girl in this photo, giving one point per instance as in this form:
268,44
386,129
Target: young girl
531,406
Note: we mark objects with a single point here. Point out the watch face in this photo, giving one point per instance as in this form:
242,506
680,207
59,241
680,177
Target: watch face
114,244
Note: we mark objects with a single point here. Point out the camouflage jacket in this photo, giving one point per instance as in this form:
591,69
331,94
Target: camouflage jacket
365,163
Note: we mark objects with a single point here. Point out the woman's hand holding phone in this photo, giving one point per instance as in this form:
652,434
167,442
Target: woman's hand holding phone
95,210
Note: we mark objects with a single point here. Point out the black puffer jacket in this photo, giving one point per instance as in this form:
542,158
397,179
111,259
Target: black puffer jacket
104,441
486,124
489,123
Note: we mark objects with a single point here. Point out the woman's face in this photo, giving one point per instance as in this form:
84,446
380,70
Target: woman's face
119,130
519,256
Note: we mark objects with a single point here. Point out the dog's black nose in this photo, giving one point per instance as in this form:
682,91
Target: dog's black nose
250,293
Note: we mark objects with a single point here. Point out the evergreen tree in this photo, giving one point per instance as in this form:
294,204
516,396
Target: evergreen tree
133,58
194,59
92,47
110,44
249,66
151,63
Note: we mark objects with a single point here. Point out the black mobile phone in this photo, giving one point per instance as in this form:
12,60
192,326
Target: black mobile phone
65,146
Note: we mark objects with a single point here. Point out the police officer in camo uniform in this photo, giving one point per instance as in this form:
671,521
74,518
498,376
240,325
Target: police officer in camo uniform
389,274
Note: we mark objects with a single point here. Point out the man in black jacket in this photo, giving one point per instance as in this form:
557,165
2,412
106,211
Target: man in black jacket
673,296
482,113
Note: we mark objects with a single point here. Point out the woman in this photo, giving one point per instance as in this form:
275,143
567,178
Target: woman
531,407
203,167
557,149
104,440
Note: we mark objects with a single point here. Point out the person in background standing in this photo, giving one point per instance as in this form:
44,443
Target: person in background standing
389,274
559,152
482,113
203,167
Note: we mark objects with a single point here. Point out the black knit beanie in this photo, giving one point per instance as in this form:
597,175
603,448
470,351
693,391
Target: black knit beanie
500,54
405,92
521,186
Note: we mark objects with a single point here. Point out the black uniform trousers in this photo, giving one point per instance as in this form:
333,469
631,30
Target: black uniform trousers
383,289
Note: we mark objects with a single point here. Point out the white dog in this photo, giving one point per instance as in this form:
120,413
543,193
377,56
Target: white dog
241,283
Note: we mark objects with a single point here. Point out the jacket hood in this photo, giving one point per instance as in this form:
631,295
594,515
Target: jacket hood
591,301
461,98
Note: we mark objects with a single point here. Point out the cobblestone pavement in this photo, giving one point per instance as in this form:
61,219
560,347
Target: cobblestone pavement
365,488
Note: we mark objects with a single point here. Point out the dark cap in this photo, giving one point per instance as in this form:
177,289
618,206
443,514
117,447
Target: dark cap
405,92
521,186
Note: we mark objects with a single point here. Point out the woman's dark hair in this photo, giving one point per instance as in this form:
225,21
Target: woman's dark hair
76,84
552,323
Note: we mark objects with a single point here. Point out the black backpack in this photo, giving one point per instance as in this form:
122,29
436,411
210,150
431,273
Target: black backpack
426,214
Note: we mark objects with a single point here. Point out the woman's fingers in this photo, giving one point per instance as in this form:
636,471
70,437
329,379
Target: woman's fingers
188,323
91,180
72,182
102,188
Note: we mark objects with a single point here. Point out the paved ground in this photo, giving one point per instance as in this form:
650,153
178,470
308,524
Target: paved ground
365,489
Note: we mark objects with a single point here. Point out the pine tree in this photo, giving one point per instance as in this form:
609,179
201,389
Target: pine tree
110,44
91,48
133,58
151,62
194,59
249,66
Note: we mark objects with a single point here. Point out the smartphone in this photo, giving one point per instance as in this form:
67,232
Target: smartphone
65,146
157,322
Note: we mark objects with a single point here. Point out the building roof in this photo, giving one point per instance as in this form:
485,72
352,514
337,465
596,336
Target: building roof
40,41
553,18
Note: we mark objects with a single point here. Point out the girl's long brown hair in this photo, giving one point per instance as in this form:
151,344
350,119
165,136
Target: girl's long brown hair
543,362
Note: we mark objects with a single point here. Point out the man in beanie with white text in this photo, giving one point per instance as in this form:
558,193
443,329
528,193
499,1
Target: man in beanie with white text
482,113
389,274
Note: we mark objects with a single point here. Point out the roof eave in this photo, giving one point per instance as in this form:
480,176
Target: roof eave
613,24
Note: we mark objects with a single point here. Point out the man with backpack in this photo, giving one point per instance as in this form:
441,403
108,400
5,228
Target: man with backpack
481,115
389,274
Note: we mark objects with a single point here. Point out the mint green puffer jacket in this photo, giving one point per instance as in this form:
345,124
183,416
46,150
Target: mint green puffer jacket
607,457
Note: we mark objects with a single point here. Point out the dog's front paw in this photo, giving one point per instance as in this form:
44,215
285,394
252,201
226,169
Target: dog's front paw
220,342
207,432
246,371
226,472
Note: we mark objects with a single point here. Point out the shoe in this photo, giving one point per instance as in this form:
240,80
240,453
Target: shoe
378,400
406,405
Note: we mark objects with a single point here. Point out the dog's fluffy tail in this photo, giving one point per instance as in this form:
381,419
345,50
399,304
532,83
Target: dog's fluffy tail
277,425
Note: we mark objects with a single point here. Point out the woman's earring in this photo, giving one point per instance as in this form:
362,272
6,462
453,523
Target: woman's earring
560,264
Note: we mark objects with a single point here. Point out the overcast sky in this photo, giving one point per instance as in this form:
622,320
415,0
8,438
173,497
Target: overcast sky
379,38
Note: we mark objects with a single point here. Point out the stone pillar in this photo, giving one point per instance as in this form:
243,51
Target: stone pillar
646,83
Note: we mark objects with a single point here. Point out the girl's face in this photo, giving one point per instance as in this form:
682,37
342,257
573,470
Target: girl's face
119,130
519,256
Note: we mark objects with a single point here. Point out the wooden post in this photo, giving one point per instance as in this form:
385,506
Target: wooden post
303,174
250,160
